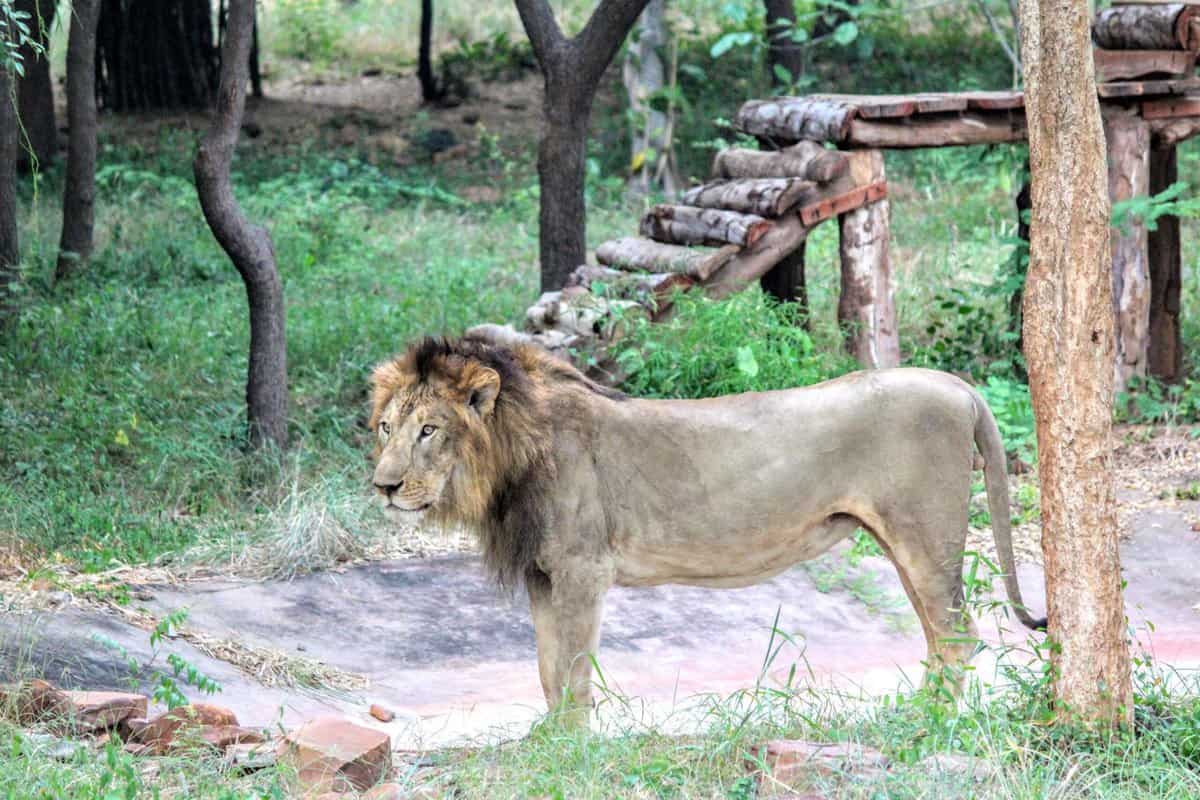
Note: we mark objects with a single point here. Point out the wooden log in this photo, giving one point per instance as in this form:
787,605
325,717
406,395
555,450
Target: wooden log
1145,27
1165,352
1172,107
994,101
1121,65
765,197
939,131
752,263
804,159
790,119
866,308
1120,89
1128,140
786,281
1169,132
884,106
830,207
688,225
632,254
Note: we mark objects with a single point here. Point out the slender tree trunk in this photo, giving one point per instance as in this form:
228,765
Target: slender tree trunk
35,90
248,246
785,58
572,69
430,91
1069,344
644,76
10,250
834,16
79,194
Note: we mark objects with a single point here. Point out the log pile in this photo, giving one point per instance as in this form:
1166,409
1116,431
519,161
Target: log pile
721,236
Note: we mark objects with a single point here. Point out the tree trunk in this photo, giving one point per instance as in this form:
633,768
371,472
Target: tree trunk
1069,345
248,246
785,58
430,91
79,194
156,54
572,69
786,282
10,250
35,90
1166,276
644,76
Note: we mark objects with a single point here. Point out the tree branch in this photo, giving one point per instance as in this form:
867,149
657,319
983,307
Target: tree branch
596,45
542,29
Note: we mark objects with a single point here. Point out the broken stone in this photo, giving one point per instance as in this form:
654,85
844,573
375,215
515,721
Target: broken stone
223,736
783,763
160,734
103,711
382,714
39,701
333,753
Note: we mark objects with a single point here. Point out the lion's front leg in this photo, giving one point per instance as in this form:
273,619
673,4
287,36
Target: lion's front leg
566,609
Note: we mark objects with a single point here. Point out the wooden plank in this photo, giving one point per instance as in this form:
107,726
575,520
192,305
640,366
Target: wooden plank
994,101
938,102
874,106
830,207
1119,65
688,225
1185,106
962,129
790,119
1119,89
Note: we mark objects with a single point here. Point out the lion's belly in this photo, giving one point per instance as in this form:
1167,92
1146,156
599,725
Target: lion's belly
740,559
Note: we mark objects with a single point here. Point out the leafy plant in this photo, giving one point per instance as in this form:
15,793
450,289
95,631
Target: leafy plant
166,687
1013,410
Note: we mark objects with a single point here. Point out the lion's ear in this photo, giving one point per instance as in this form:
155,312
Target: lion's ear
484,388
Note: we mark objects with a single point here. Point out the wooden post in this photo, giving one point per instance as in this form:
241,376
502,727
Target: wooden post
1165,357
1128,138
786,281
866,309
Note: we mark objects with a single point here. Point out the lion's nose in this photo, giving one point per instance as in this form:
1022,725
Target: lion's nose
389,488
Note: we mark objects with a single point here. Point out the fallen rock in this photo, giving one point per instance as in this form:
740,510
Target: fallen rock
39,701
161,734
223,736
382,714
784,763
333,753
104,711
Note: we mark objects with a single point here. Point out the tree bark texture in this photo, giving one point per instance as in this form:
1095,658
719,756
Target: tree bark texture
1069,346
79,194
1165,356
10,250
1128,138
571,69
867,306
644,76
156,54
35,90
804,159
431,92
248,246
766,197
714,227
1147,27
785,57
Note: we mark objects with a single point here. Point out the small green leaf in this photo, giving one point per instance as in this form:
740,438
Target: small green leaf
746,363
845,33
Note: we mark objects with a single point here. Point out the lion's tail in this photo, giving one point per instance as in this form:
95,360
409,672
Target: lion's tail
995,478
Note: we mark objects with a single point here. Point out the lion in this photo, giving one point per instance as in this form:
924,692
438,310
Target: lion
573,488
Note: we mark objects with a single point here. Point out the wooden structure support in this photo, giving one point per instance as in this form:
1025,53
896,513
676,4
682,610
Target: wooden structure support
1128,138
1165,351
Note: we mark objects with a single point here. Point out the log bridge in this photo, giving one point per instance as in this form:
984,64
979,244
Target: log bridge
821,158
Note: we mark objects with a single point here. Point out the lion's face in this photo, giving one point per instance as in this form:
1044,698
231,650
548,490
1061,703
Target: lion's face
427,432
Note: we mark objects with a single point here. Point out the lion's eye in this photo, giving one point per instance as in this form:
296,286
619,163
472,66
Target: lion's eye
384,429
427,431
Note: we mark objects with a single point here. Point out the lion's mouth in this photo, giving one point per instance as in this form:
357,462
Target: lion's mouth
393,507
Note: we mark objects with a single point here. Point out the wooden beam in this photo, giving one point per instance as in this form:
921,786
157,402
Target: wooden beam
1119,65
1165,355
790,119
1167,108
1119,89
830,207
1169,132
939,131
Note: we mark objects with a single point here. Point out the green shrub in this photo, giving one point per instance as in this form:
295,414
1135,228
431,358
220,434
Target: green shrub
308,29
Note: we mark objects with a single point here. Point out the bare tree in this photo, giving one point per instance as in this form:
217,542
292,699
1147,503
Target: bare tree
1069,344
79,194
644,77
35,90
571,68
248,246
785,57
